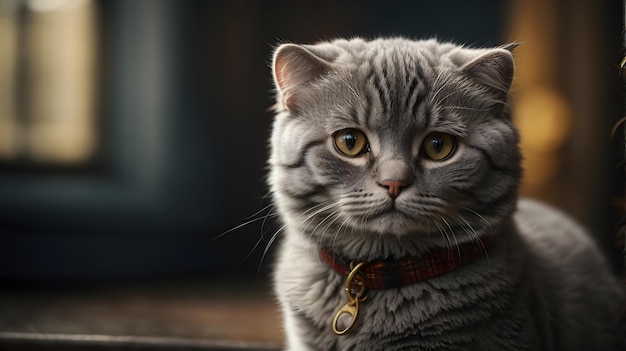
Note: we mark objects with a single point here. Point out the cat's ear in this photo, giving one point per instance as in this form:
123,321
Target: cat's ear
295,67
510,46
494,68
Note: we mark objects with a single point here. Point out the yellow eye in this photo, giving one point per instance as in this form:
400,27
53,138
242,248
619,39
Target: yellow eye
439,146
351,142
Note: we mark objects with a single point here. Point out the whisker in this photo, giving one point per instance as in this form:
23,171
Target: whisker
270,206
456,242
461,108
474,235
267,216
264,218
445,235
318,212
465,208
267,247
434,96
335,216
256,245
482,218
322,222
443,99
345,221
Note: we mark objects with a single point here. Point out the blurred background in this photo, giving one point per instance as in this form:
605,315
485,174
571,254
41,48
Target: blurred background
134,132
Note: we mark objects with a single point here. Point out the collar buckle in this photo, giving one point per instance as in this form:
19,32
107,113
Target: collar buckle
355,292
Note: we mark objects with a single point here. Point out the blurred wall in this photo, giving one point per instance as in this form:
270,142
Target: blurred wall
181,123
566,98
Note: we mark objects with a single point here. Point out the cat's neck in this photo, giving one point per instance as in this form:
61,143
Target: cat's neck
370,247
391,273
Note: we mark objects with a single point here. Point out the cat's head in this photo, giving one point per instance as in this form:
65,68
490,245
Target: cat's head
392,139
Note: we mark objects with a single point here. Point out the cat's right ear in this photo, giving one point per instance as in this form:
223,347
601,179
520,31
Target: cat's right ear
294,68
493,68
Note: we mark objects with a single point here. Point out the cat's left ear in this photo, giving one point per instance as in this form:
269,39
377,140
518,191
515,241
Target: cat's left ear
494,68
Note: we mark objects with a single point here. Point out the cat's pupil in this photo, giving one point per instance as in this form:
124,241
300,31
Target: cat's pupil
350,140
438,144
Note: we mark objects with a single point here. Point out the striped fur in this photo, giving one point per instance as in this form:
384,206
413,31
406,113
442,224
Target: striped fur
542,286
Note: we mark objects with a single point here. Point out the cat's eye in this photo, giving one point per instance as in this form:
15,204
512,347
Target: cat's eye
351,142
439,146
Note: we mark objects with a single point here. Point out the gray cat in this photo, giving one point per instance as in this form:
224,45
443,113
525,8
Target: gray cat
395,169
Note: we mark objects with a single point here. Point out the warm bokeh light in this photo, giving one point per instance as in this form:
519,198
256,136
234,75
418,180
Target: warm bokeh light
561,102
544,119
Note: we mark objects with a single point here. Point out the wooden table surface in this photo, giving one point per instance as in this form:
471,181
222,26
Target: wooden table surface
181,315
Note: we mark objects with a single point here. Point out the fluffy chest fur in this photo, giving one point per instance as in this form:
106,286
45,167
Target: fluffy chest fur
394,147
463,310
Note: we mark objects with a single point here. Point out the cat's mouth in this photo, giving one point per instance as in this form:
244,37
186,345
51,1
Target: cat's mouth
392,219
391,208
390,211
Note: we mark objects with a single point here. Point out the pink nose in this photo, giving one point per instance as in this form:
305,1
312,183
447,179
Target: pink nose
394,187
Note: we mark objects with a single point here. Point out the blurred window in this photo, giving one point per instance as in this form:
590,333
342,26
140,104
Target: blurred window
47,82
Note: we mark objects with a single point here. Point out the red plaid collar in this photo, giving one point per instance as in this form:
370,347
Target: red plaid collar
391,274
